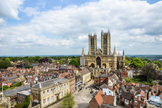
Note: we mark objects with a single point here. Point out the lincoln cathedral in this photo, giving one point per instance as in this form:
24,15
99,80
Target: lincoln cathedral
102,58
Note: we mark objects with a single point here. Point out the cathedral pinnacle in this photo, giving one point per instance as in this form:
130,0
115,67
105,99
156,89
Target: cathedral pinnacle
114,51
123,53
83,52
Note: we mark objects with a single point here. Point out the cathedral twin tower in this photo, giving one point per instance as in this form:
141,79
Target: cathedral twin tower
105,44
102,58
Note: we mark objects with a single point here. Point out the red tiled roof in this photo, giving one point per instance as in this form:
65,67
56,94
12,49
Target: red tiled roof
99,98
108,99
64,74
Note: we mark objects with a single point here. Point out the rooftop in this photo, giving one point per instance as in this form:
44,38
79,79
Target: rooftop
49,82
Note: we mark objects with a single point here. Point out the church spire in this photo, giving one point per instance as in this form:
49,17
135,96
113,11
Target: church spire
83,52
114,51
123,53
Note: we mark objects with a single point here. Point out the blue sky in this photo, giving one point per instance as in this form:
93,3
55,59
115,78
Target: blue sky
53,27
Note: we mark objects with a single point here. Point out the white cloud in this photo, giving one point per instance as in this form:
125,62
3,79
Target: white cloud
135,26
31,11
9,8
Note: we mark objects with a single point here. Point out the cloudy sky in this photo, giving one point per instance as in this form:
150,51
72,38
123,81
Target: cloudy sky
61,27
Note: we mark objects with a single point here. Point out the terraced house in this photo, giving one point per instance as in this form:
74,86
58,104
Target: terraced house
48,92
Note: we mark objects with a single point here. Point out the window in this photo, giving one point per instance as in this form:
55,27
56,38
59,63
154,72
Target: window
67,90
47,92
44,101
44,93
57,88
126,101
51,90
61,94
23,96
64,92
64,85
48,100
67,85
18,95
61,86
141,106
51,98
35,94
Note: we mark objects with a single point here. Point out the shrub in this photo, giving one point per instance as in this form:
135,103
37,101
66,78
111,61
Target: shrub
19,105
127,79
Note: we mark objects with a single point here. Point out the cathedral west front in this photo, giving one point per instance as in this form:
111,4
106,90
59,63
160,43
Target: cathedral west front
102,58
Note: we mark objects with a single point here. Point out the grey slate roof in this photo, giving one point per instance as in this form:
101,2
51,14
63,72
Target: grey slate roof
13,92
49,82
10,78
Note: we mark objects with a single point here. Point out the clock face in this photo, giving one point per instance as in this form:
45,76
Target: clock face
36,78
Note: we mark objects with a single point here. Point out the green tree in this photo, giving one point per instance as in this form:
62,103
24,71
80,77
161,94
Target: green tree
28,67
158,63
4,88
68,101
74,62
136,63
19,105
7,59
37,58
30,59
126,62
149,61
60,61
149,71
49,60
5,64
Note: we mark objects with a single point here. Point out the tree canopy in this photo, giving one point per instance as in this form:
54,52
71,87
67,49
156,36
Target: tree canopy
136,63
149,70
7,59
74,62
5,64
68,101
158,63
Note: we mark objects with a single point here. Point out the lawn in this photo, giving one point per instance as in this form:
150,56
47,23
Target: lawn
139,80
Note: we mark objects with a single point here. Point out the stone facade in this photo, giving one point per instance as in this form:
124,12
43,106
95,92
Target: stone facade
102,58
50,91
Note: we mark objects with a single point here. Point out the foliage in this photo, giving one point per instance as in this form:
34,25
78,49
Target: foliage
25,104
49,60
127,79
136,63
149,70
28,67
158,63
74,62
25,61
60,61
16,84
150,61
68,101
30,59
4,88
126,62
37,58
5,64
19,105
153,82
160,82
7,59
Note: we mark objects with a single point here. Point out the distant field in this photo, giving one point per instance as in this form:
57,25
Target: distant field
150,57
